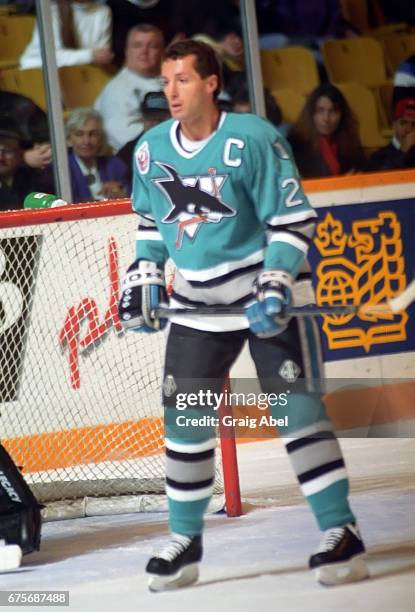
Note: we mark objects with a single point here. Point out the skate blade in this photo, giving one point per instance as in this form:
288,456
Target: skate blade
10,557
342,573
184,577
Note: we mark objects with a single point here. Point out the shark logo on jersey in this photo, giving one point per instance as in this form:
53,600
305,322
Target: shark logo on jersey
194,200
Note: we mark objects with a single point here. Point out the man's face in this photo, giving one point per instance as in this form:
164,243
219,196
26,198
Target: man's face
86,140
10,157
187,93
143,53
404,126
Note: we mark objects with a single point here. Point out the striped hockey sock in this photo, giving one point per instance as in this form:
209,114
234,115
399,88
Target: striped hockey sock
318,463
190,473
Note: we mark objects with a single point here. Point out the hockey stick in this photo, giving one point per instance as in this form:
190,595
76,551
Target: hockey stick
393,306
295,311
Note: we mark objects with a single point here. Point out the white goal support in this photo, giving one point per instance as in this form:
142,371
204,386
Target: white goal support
80,398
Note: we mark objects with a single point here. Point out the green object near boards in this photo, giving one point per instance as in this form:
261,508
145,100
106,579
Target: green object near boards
42,200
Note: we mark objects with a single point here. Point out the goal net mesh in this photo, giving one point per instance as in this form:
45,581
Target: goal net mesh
80,398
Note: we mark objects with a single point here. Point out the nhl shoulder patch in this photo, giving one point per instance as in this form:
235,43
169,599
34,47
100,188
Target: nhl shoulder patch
142,158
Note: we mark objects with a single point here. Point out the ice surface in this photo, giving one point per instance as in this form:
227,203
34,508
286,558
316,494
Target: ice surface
254,563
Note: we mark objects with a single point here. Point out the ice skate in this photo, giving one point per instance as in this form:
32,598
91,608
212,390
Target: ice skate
176,565
339,558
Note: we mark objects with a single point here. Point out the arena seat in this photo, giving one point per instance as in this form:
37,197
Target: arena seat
82,84
398,47
15,34
289,68
290,102
29,83
360,60
362,101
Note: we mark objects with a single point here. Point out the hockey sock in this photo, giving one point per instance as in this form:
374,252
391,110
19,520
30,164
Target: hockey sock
317,459
190,474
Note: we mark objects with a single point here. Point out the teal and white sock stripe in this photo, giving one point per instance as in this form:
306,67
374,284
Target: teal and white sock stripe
312,446
190,474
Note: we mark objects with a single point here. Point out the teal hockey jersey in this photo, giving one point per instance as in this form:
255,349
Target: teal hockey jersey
222,213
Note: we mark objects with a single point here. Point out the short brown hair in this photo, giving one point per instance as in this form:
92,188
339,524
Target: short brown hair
206,62
144,28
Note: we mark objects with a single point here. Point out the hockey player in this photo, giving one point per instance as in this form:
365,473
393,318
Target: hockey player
220,195
19,515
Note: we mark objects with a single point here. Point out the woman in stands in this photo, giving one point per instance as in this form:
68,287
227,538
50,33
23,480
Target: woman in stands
325,138
94,175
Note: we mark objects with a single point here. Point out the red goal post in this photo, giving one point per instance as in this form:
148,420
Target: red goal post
79,397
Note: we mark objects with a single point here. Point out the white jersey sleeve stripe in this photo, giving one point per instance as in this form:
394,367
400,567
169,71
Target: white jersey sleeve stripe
303,215
148,235
289,239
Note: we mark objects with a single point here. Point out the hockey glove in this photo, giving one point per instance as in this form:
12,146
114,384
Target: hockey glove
272,290
143,290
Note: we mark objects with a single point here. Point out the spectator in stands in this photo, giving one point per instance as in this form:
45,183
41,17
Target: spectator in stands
94,175
127,13
82,33
226,39
16,180
404,80
241,104
325,139
400,153
32,122
120,100
154,110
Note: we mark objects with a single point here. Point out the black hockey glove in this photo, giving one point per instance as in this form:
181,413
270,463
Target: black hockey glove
143,290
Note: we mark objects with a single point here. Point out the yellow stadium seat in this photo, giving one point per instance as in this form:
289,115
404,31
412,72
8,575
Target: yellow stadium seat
289,68
398,47
82,84
15,34
290,103
362,101
29,83
384,96
360,60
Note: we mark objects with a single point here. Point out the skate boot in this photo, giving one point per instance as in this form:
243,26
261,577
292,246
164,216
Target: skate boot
176,565
339,558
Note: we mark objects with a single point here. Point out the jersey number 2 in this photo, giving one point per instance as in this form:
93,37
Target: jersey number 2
294,186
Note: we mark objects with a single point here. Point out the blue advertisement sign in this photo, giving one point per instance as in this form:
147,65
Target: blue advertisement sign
364,253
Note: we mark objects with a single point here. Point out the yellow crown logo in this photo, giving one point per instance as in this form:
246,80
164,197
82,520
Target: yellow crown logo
376,274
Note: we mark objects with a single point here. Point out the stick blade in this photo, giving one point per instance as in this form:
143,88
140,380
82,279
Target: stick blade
375,310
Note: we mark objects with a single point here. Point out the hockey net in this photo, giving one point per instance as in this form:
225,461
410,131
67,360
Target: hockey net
80,398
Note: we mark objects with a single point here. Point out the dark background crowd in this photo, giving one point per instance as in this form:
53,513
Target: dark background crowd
339,79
